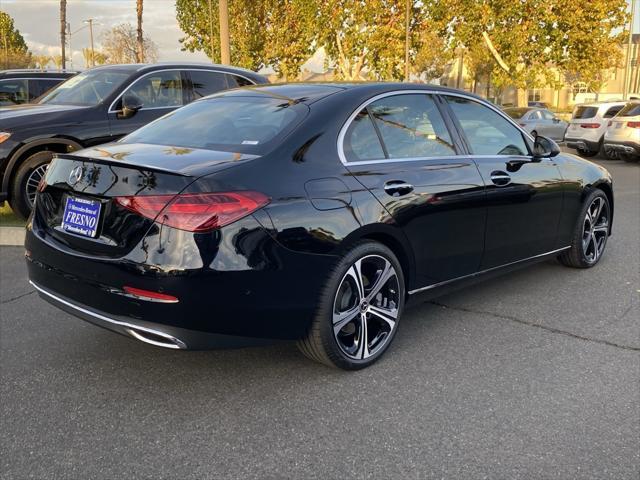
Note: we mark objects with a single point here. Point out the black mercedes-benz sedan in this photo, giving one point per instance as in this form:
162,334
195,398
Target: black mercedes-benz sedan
309,212
97,106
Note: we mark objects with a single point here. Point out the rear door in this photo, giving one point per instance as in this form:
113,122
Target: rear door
524,195
159,93
401,149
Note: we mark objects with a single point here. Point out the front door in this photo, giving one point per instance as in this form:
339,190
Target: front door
159,93
524,194
401,150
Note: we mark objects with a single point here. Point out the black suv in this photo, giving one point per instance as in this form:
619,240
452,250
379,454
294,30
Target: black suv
97,106
24,86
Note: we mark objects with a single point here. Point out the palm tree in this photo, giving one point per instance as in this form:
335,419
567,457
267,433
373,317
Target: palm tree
140,38
63,30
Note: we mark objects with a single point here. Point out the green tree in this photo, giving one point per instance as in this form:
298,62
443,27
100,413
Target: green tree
246,30
364,39
15,53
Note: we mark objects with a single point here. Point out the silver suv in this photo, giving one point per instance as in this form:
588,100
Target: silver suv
623,132
588,125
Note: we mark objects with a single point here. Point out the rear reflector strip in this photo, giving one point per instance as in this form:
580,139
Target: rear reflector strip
633,124
149,296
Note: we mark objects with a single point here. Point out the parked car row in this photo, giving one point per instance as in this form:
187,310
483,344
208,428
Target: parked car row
25,86
97,106
610,129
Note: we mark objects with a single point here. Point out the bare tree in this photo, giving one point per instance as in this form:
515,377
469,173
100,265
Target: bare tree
120,45
63,32
140,37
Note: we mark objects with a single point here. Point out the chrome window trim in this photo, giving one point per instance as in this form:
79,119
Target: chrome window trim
170,70
481,272
426,91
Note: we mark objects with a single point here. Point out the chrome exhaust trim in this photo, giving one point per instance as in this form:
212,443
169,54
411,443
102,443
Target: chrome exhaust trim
143,334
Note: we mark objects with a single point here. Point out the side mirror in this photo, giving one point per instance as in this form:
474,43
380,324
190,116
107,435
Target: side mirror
544,147
556,120
130,105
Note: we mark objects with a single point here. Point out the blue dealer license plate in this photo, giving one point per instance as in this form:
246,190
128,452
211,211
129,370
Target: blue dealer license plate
81,216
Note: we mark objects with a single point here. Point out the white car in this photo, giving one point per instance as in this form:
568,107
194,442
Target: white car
588,125
623,132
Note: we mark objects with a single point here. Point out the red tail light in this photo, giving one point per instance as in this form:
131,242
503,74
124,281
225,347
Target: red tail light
195,212
590,125
633,124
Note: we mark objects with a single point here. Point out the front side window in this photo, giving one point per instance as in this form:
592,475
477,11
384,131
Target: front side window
535,115
13,92
547,115
86,89
486,131
236,124
158,89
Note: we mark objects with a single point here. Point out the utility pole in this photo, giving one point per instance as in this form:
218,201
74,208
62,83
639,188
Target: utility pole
627,68
225,54
63,32
90,22
211,42
406,39
69,40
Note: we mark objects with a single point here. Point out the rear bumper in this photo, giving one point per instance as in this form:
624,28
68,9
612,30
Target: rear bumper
152,333
582,144
630,148
236,286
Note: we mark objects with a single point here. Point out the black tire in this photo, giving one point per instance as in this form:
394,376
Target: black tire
327,344
27,173
629,158
587,153
579,256
610,153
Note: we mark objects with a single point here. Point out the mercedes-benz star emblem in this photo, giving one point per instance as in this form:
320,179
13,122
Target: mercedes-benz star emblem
75,175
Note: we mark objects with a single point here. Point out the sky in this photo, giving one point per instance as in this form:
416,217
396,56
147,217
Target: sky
38,22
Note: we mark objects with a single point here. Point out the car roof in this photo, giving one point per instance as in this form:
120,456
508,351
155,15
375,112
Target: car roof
26,73
311,92
611,103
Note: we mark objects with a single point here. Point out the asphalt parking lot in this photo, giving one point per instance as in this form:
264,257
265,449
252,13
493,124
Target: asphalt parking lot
530,375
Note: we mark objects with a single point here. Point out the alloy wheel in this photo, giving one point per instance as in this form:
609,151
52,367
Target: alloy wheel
365,311
33,180
595,229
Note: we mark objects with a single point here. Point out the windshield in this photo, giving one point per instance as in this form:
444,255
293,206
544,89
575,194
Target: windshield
236,124
86,89
516,112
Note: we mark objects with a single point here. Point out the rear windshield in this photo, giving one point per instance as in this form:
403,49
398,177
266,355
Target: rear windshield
582,113
630,110
236,124
516,112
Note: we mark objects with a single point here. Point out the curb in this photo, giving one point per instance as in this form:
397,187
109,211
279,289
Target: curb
12,236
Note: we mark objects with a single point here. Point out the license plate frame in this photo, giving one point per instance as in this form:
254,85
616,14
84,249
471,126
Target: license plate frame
81,216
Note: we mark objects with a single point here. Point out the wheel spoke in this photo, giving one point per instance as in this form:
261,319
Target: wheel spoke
603,228
342,318
597,203
385,275
593,242
389,316
355,272
363,346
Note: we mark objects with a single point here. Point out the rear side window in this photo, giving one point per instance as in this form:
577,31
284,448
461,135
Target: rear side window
535,115
236,124
361,141
582,112
411,126
236,81
41,86
13,92
206,83
630,110
486,131
613,111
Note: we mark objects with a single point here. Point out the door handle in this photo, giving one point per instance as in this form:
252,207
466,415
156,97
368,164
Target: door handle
500,178
397,188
